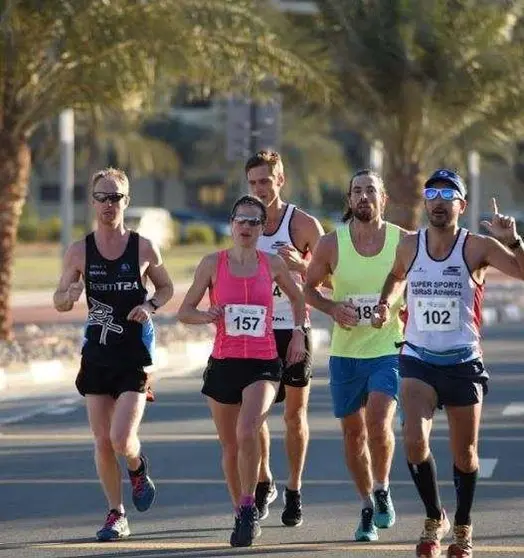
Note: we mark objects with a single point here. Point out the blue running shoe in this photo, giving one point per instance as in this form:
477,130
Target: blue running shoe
366,530
143,487
384,516
247,527
115,527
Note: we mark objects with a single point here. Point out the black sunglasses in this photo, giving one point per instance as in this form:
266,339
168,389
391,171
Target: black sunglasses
251,221
102,197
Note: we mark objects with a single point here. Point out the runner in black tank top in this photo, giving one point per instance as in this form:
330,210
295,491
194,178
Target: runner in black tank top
113,289
118,341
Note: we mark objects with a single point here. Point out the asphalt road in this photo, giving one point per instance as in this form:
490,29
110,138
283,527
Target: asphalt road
51,504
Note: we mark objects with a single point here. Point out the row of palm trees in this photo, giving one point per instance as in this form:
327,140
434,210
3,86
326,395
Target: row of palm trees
421,76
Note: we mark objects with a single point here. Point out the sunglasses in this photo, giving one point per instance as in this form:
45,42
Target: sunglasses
102,197
251,221
447,194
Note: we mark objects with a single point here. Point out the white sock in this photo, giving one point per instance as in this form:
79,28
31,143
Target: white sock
381,486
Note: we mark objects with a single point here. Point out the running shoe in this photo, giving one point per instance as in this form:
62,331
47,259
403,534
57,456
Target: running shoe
366,530
143,487
266,493
384,516
462,545
292,514
434,531
247,527
115,527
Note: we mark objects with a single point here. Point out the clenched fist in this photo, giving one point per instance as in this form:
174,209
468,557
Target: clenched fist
75,291
140,313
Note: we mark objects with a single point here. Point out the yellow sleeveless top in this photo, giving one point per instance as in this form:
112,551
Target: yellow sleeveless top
361,279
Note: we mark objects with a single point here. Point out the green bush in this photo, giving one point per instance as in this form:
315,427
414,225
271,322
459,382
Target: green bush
28,230
50,229
196,233
28,225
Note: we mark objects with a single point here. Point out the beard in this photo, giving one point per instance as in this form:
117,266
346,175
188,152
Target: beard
440,220
364,214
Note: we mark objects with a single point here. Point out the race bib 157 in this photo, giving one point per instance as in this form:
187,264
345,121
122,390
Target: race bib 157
245,319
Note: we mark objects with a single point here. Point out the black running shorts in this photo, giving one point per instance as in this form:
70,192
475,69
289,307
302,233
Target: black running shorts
95,379
457,385
299,374
225,379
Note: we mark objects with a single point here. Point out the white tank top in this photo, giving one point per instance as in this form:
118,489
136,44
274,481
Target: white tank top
444,301
282,309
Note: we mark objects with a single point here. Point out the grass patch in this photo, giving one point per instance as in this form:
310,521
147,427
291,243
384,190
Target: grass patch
38,266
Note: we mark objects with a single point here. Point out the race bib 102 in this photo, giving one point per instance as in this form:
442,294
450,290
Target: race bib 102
437,314
245,319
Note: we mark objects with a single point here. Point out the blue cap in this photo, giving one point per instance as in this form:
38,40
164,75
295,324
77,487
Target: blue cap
450,177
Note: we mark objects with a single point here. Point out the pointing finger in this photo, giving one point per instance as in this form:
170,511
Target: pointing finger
494,205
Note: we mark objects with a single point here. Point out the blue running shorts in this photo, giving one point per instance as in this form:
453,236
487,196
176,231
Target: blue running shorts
351,380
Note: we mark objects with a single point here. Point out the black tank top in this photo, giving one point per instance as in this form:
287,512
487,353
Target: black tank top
113,289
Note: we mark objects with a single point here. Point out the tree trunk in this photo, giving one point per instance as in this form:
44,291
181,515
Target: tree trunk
15,167
404,188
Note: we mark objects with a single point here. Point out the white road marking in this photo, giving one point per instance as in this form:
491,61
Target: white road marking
513,410
60,407
486,467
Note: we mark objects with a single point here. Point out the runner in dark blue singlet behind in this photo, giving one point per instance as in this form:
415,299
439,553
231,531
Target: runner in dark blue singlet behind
119,340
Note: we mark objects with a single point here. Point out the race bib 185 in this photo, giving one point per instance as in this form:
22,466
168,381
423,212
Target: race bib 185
245,319
366,304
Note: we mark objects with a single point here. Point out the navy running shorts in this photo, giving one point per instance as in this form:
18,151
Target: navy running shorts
456,385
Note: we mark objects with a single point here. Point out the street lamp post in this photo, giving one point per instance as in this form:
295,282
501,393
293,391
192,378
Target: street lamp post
67,175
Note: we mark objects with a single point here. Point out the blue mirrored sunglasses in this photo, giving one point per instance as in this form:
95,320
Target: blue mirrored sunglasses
448,194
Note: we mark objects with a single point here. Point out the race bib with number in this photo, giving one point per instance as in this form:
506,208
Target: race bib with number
245,319
437,314
283,317
366,304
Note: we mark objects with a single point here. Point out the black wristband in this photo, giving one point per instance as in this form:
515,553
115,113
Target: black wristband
516,244
153,305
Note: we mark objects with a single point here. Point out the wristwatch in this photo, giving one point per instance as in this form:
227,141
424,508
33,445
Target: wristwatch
300,328
516,244
153,305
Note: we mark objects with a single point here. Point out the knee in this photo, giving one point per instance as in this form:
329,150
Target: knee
416,447
378,430
247,433
122,444
467,460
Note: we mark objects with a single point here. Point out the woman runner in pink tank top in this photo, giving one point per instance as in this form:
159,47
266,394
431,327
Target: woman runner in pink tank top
243,373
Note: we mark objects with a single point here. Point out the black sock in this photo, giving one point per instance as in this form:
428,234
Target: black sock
465,484
425,478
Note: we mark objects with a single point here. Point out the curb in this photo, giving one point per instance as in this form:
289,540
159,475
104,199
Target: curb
177,360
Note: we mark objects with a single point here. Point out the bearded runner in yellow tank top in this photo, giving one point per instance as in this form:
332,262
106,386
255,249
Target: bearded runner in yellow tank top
363,367
359,279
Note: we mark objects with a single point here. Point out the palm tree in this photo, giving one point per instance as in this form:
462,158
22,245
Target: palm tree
418,74
85,53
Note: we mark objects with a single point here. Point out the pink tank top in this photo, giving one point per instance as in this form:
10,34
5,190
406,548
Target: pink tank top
245,330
